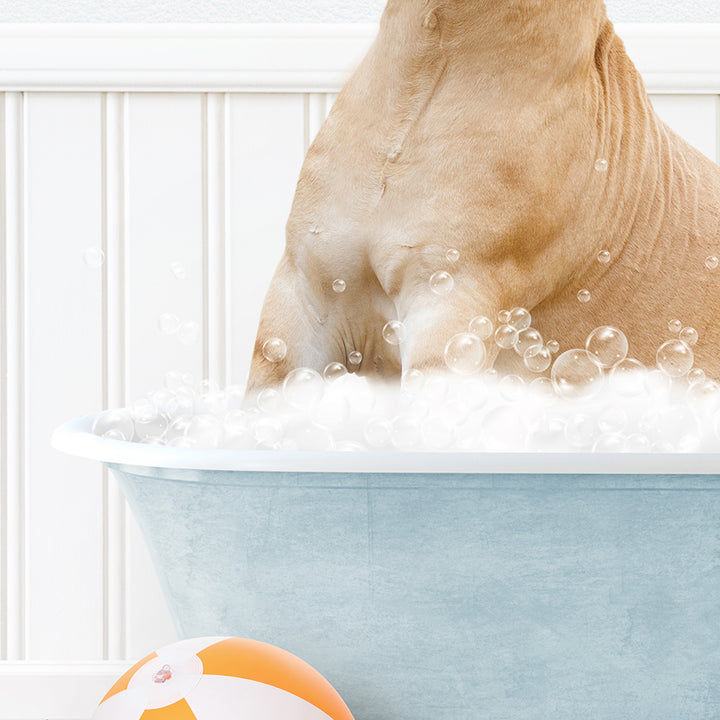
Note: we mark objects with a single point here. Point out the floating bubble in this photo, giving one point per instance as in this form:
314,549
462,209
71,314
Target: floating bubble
512,388
441,282
537,358
526,339
481,326
675,326
339,285
94,257
627,377
542,387
143,410
204,430
553,346
607,346
189,332
575,376
169,323
377,432
503,317
355,357
178,270
675,358
394,332
302,387
519,318
150,429
696,375
412,381
333,371
274,350
115,425
584,296
208,386
689,335
602,165
506,336
711,262
406,431
453,255
269,400
465,354
603,257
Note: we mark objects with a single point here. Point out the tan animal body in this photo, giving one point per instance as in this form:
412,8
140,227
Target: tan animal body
476,126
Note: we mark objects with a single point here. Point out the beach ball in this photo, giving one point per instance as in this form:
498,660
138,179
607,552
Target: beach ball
222,678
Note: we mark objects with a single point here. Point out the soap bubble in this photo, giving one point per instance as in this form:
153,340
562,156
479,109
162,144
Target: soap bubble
537,358
377,432
580,431
689,335
150,429
405,432
269,400
506,336
542,388
512,388
637,443
553,346
519,318
208,386
481,326
355,357
339,286
696,375
675,358
189,333
602,165
609,443
711,262
274,350
302,387
303,435
526,339
268,431
178,270
169,323
394,332
333,371
584,296
205,430
412,381
627,378
143,410
613,419
658,384
94,257
114,425
441,282
607,346
575,375
333,410
453,255
675,326
603,257
465,354
503,317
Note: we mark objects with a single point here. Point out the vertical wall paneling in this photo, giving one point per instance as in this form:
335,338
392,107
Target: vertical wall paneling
113,153
315,112
63,332
3,390
267,142
695,117
13,461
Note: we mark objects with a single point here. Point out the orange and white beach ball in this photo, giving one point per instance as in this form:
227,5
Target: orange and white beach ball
222,679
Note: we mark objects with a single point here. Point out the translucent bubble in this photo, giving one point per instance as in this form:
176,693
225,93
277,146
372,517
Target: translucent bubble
377,432
657,383
553,346
189,333
169,323
512,388
117,422
696,375
612,419
711,262
208,386
607,346
405,433
355,357
412,381
576,376
394,332
302,387
204,430
441,282
178,270
602,165
143,410
526,339
584,296
333,371
519,318
580,431
537,358
339,286
269,400
94,257
675,358
274,350
303,435
150,429
603,257
453,255
689,335
465,354
704,396
506,336
542,388
627,377
177,428
481,326
675,326
503,317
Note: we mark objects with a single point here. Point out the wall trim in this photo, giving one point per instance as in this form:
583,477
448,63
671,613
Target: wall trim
673,58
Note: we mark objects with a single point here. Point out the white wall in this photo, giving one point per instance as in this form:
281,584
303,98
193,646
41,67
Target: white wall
297,10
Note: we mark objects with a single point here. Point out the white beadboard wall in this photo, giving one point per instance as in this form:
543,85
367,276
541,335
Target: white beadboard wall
157,144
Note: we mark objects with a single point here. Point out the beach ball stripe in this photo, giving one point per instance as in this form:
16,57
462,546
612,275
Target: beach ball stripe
222,679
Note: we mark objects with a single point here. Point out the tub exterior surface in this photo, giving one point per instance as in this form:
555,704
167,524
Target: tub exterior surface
445,597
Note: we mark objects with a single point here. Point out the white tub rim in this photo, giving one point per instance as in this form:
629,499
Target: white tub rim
76,438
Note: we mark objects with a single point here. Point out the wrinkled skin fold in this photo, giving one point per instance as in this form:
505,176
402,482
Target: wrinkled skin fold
475,125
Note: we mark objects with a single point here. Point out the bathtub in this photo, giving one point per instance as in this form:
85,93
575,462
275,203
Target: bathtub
431,586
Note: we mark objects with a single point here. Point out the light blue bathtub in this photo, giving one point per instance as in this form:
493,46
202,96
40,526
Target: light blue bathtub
447,587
